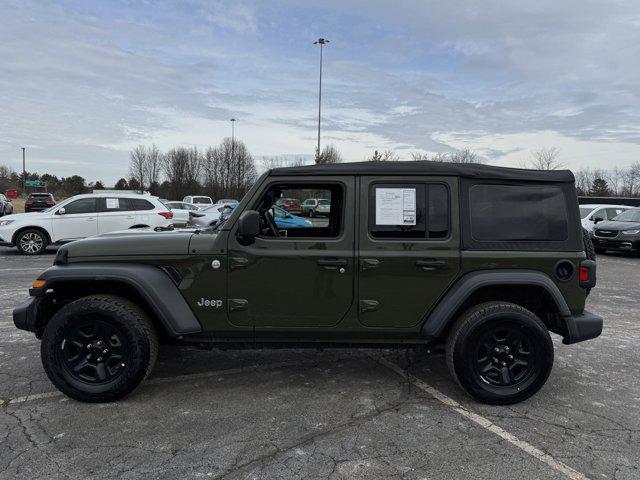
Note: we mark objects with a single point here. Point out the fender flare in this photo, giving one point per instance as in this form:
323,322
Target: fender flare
155,286
440,317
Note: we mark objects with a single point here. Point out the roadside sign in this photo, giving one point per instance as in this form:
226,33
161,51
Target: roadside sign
34,183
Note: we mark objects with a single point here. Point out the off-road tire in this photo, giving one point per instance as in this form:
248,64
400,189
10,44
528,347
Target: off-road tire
39,238
588,245
465,345
589,249
138,335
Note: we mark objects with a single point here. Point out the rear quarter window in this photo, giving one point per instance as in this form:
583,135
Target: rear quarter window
518,213
140,204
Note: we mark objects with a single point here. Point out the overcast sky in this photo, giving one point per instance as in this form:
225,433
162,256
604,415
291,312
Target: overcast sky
83,82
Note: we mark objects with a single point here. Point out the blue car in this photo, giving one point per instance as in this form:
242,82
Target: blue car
282,218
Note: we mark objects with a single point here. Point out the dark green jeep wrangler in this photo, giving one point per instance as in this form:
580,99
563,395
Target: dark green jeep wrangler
484,260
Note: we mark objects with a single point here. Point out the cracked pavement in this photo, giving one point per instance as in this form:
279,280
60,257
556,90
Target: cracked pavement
335,414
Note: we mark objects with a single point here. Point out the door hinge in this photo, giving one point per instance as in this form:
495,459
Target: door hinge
238,262
369,305
236,304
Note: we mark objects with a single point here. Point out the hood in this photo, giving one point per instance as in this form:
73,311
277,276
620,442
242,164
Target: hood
136,242
613,225
17,217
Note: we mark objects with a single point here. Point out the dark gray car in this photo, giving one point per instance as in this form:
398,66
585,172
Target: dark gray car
6,207
622,233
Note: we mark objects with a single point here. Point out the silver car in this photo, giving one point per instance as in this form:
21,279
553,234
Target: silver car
316,207
207,216
6,207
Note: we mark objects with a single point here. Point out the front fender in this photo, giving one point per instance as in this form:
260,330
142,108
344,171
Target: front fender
156,288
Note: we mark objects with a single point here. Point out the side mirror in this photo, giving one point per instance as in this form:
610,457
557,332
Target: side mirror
597,219
61,211
248,226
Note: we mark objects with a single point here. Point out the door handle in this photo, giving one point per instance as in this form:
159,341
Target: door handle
369,263
428,265
331,264
90,219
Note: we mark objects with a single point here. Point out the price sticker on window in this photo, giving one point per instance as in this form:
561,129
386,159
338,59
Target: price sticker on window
113,203
395,206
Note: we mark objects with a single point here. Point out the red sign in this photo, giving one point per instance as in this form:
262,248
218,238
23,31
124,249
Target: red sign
11,193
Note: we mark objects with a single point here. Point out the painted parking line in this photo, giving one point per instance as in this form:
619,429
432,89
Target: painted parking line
485,423
162,380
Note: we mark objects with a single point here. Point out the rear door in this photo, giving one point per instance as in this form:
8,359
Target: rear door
115,214
409,248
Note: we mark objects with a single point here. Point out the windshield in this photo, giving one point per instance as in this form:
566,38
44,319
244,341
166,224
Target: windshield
632,215
201,200
324,202
585,211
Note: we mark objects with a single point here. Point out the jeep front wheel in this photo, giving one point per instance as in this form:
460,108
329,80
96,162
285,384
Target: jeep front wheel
500,353
99,348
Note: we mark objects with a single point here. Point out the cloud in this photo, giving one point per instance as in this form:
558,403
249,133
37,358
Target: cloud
84,82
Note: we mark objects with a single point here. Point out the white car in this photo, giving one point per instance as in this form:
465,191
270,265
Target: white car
590,214
79,217
181,211
200,200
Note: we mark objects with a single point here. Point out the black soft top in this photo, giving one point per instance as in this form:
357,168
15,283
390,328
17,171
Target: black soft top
467,170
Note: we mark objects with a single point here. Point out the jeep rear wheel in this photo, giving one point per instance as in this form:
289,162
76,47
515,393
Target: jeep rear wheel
31,242
99,348
500,353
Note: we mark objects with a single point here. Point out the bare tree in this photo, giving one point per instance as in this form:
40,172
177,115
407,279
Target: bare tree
175,164
465,155
420,156
546,159
387,155
138,166
229,169
153,168
269,163
330,154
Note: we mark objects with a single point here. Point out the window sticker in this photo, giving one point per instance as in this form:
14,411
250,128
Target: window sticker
395,206
113,203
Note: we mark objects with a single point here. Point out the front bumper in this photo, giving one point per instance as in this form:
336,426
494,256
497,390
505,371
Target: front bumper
25,315
582,327
618,243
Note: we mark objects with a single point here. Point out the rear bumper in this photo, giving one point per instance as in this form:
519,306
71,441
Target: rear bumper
582,327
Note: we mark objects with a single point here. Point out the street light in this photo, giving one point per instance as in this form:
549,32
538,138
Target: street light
24,172
233,141
321,42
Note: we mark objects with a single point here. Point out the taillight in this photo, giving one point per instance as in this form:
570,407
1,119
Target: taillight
28,202
50,202
167,215
587,274
584,274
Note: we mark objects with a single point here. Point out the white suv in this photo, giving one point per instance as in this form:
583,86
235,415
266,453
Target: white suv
591,214
199,200
82,216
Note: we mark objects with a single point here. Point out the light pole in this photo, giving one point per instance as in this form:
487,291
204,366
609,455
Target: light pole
24,172
321,41
233,138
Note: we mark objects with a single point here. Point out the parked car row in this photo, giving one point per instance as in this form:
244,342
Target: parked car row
6,207
82,216
311,207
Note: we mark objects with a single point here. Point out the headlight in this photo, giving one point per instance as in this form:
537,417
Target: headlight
624,232
310,224
4,223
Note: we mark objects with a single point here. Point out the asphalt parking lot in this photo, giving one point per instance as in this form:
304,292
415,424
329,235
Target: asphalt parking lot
330,414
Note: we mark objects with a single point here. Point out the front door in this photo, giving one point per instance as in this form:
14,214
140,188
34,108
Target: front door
409,248
303,276
79,220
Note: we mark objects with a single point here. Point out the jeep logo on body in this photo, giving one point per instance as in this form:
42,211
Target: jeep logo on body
203,302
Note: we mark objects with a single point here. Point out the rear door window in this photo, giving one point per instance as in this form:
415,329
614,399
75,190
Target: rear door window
414,210
517,213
